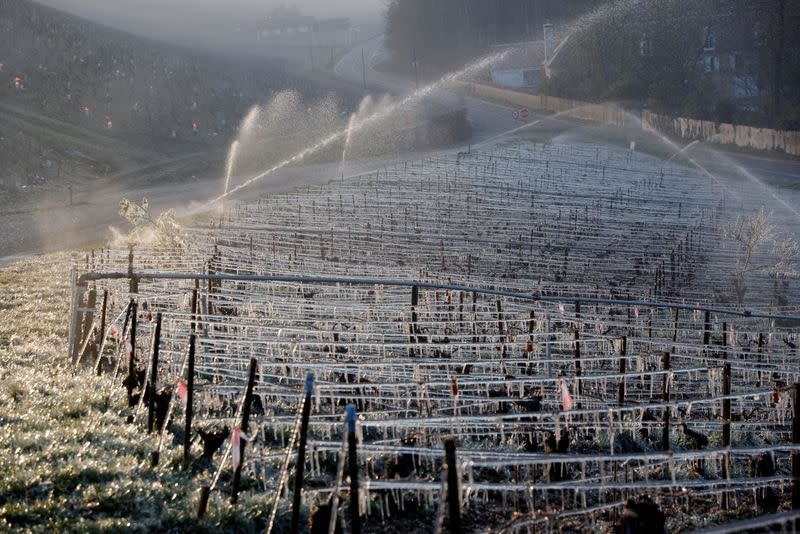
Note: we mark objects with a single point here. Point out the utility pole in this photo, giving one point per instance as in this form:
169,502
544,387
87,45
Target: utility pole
547,30
363,70
416,70
780,37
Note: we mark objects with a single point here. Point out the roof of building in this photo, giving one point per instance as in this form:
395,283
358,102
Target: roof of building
520,56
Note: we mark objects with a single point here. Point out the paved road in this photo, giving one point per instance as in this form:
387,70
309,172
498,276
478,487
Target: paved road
488,119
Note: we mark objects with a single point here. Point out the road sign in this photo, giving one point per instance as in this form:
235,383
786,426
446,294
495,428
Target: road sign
521,114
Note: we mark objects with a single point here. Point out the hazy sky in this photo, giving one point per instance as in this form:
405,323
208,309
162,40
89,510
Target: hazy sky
194,21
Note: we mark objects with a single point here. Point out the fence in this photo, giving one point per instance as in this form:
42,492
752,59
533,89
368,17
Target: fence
681,127
723,133
603,113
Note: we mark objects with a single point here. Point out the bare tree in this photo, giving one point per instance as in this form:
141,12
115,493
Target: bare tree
761,249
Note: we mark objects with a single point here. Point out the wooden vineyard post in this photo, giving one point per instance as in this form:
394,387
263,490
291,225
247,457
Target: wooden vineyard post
78,289
500,329
760,349
547,349
209,290
726,427
724,341
151,403
85,320
529,344
623,362
453,486
301,456
132,353
352,464
461,311
474,317
412,329
665,399
248,400
133,281
578,371
88,318
202,504
195,292
675,328
124,327
102,326
187,428
796,453
73,314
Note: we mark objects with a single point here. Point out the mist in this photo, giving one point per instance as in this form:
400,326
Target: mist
209,23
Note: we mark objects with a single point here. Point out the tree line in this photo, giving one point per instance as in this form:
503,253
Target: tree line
722,60
443,33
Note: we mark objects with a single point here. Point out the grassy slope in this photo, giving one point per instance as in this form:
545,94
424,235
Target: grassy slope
67,460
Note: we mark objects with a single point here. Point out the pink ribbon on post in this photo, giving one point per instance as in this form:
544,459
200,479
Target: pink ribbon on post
236,447
566,398
183,390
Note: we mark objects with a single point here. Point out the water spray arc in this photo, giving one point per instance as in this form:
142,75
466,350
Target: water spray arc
231,160
371,119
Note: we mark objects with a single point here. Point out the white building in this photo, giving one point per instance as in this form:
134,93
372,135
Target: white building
521,68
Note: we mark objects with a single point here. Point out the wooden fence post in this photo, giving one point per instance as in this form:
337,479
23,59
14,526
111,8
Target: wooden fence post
453,489
301,456
151,402
352,444
248,400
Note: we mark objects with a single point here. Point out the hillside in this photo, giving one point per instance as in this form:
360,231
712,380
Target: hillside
85,100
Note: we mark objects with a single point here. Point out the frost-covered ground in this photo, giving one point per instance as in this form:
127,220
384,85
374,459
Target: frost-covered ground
549,219
68,463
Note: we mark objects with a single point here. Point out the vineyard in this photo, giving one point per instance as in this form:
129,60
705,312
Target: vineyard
523,338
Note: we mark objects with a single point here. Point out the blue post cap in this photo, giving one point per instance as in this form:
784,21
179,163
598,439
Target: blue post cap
309,383
350,418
